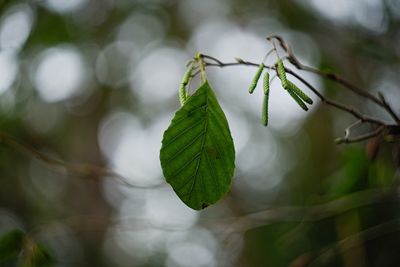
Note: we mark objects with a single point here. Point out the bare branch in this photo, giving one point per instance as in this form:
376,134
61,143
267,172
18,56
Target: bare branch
335,104
380,101
351,110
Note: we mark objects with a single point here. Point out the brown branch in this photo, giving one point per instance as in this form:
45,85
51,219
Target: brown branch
380,100
348,109
84,170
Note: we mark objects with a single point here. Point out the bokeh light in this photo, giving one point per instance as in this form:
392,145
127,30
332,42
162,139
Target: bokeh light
88,87
155,77
65,6
60,73
368,14
15,27
132,149
8,68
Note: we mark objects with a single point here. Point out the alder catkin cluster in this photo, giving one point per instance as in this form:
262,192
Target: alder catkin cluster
295,92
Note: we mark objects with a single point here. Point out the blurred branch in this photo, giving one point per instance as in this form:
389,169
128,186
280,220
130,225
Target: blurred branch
240,223
310,213
357,240
82,169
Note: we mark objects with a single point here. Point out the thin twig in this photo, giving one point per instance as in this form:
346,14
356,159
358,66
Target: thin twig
196,73
347,131
347,140
268,54
212,58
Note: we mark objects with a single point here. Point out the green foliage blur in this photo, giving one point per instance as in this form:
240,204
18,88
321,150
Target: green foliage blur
91,85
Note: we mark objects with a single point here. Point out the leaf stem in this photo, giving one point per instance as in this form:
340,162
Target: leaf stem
200,59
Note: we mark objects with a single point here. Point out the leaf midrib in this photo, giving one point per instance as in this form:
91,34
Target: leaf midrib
201,149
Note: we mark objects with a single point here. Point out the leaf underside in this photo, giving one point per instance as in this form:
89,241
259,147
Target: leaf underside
197,154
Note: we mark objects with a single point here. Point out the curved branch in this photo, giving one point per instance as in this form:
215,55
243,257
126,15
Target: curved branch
348,109
324,99
380,100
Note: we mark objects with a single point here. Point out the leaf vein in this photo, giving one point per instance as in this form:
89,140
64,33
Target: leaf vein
185,165
185,147
172,140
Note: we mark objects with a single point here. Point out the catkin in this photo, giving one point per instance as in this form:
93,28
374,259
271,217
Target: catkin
298,100
264,114
299,92
282,73
185,80
266,83
182,94
256,78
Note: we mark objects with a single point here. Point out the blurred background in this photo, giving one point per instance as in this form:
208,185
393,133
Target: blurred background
95,82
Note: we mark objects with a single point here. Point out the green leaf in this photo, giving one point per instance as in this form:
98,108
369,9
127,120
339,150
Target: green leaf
10,246
197,154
